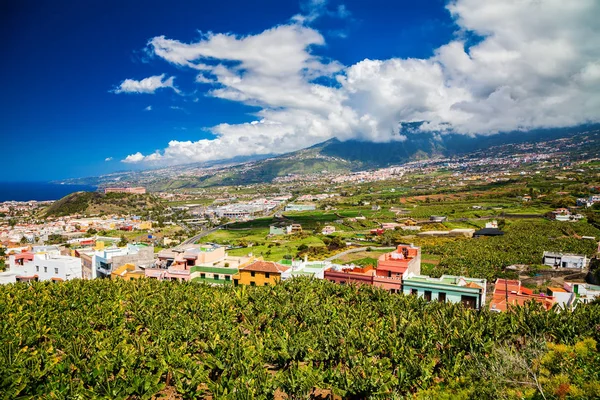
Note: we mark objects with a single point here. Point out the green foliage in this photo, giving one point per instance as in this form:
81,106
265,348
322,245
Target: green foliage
132,339
524,243
123,242
97,203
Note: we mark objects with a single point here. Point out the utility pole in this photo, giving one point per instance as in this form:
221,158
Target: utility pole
506,292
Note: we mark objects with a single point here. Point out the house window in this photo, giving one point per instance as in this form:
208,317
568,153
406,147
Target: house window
389,274
235,282
442,297
37,268
267,275
227,278
428,295
252,274
131,278
252,283
202,276
56,270
414,292
216,276
45,269
468,301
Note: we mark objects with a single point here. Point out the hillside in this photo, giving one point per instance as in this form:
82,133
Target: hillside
331,156
95,203
297,340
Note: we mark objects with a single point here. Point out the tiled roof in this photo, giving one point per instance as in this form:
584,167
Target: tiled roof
265,266
557,289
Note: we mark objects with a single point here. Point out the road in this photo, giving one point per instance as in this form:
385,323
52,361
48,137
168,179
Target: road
199,236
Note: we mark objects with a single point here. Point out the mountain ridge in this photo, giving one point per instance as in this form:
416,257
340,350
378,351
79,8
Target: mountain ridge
330,156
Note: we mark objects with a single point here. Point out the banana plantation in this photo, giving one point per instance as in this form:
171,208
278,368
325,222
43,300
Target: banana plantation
300,339
524,243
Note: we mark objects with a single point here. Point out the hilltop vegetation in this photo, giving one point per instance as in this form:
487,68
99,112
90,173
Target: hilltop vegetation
95,203
136,339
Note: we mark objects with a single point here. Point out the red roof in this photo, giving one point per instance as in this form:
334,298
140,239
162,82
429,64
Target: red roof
265,266
24,256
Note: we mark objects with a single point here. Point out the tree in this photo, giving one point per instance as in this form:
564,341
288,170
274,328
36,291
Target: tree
123,242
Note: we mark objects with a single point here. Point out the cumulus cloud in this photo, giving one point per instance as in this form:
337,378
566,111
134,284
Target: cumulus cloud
147,85
108,159
523,73
149,108
134,158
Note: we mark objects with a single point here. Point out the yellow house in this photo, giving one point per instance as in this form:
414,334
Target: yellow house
145,225
260,273
127,272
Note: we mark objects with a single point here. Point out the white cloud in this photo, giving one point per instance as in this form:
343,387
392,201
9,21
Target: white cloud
108,159
314,9
147,85
524,73
134,158
149,108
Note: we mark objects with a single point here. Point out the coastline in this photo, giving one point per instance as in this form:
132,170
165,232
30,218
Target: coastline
39,191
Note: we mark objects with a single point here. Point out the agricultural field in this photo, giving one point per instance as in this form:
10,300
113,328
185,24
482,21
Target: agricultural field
144,338
524,243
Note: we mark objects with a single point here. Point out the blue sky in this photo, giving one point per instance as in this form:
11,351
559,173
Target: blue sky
92,87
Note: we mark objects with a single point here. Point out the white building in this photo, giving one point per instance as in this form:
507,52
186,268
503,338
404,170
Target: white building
41,266
328,230
584,292
99,263
564,260
315,269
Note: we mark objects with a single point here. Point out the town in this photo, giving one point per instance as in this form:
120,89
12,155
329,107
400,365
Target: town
347,232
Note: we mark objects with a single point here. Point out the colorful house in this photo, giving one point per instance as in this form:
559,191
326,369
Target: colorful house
260,273
128,272
406,259
391,268
453,289
176,264
512,293
363,276
220,272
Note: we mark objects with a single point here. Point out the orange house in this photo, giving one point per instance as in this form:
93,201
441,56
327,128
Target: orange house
510,293
404,260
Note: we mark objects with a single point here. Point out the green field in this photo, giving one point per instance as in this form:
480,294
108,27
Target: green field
300,339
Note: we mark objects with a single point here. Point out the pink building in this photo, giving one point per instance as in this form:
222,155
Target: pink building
511,293
364,276
404,260
132,190
391,268
176,264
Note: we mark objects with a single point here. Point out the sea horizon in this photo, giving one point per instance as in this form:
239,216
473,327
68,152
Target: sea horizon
38,191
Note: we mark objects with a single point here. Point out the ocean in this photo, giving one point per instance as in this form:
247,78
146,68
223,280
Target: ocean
40,191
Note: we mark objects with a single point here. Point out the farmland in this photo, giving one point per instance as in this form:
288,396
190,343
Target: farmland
137,339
